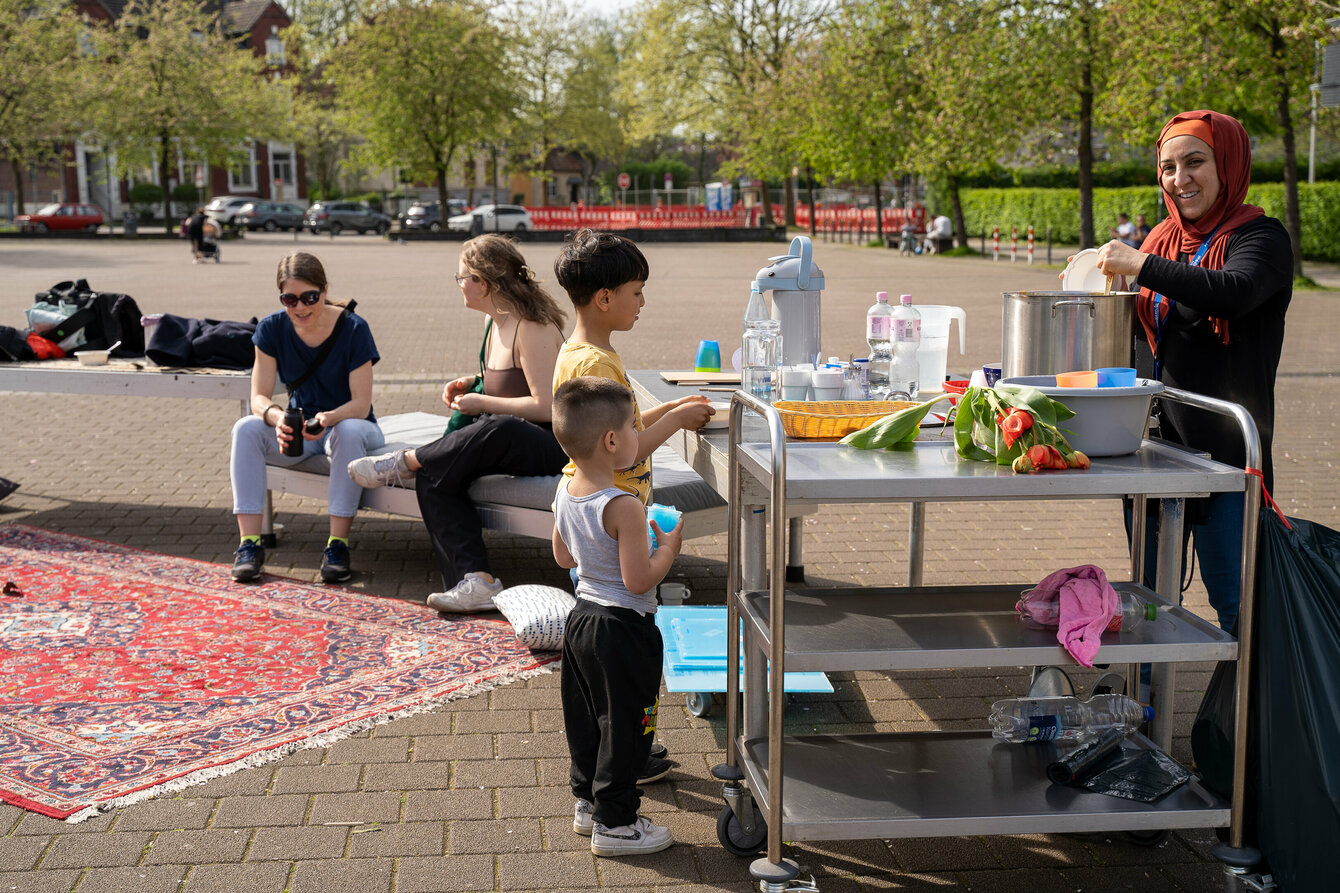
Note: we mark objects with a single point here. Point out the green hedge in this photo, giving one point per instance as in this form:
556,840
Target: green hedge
1058,210
1113,174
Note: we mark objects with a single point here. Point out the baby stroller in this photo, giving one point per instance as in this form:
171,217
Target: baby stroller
209,241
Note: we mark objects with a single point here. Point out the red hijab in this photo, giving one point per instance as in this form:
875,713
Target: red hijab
1173,236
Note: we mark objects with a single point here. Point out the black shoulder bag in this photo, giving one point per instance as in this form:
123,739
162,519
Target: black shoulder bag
322,353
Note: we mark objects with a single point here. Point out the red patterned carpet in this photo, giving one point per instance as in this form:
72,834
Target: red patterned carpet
125,673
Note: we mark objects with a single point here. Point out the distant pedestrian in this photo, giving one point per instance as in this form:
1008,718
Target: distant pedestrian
195,232
1125,231
1142,229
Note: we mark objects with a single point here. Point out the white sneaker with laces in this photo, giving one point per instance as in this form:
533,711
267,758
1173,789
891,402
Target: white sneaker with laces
469,596
583,817
638,839
371,472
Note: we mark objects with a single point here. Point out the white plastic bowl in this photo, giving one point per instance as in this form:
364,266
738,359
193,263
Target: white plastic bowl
1107,421
92,357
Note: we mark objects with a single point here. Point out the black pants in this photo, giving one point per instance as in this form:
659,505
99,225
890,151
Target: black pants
494,444
610,682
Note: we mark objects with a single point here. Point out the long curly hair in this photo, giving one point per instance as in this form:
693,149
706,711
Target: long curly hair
496,260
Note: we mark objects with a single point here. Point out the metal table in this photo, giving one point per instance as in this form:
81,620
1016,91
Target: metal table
817,787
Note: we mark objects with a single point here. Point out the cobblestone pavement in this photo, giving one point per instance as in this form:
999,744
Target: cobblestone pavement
472,797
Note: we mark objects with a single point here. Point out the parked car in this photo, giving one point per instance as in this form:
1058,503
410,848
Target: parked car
497,219
339,216
61,217
270,216
224,208
428,215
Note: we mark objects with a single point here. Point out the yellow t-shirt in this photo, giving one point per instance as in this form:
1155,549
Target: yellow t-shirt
579,358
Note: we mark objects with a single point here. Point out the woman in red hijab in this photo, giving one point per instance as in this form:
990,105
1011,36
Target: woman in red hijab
1215,280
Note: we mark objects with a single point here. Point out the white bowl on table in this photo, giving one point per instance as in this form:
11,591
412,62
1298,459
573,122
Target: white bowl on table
92,357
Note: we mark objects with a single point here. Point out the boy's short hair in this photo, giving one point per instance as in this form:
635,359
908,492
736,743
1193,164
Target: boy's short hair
585,408
590,261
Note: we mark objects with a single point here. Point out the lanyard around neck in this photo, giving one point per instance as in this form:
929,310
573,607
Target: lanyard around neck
1160,320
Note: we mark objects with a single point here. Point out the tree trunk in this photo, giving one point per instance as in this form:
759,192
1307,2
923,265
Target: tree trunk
767,204
879,212
812,214
470,180
1293,220
17,167
956,203
789,197
164,148
442,192
1086,238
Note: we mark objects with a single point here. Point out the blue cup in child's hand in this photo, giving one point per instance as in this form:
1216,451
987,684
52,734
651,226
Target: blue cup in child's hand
666,517
709,357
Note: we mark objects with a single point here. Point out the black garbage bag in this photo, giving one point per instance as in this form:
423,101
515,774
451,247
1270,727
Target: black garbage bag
1297,682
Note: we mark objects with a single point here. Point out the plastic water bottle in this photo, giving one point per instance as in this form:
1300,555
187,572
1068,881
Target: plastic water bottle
1041,609
1033,720
905,371
878,334
760,350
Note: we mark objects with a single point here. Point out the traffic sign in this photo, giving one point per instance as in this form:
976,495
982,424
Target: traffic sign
625,181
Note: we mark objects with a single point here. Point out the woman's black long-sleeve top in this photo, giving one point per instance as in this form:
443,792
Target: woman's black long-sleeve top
1252,293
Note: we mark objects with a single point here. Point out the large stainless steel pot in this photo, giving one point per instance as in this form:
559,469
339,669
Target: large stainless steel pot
1045,332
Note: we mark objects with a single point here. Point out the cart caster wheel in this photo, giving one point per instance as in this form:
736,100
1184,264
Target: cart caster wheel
699,703
1147,838
269,540
735,841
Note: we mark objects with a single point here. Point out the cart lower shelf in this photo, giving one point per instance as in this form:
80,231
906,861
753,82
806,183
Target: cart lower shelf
937,784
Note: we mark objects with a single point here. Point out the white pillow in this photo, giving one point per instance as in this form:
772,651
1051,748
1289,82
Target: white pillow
537,613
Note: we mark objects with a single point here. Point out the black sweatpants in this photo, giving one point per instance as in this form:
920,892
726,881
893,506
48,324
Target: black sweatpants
610,682
493,444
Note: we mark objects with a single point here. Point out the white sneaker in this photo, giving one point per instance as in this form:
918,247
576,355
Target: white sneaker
583,817
637,839
378,471
467,597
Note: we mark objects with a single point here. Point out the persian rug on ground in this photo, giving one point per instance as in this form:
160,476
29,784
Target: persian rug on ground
124,673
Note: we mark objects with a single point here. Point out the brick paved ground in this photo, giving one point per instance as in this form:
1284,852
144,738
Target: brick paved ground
472,797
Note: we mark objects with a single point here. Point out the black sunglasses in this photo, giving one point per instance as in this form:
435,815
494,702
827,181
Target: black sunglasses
308,298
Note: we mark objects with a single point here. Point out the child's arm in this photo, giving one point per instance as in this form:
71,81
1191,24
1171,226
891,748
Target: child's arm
626,520
561,553
690,413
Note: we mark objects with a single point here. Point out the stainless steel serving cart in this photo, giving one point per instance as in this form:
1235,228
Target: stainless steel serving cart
889,785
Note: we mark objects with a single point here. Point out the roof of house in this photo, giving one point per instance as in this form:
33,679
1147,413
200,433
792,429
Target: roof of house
240,15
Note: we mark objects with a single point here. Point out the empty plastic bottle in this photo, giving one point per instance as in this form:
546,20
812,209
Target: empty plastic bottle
1032,720
905,371
1041,609
879,335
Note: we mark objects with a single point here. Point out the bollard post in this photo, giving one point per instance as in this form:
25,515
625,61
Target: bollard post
983,241
1014,244
1030,246
995,243
1049,245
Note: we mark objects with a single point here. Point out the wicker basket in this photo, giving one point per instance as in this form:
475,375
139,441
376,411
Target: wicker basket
833,418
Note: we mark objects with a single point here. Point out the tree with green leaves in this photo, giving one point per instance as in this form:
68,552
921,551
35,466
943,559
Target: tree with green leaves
696,66
45,55
592,115
421,82
1247,58
180,89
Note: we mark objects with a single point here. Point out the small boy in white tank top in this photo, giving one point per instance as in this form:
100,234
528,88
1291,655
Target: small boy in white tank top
611,674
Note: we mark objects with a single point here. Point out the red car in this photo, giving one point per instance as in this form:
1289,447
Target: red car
62,217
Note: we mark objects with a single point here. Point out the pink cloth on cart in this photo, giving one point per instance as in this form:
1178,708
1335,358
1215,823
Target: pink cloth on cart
1088,603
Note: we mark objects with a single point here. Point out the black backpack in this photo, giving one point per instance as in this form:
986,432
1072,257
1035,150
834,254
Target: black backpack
105,317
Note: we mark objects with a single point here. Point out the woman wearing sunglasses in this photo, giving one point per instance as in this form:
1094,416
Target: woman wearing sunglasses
501,420
331,384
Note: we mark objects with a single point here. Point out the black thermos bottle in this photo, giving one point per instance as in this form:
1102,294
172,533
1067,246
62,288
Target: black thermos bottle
293,420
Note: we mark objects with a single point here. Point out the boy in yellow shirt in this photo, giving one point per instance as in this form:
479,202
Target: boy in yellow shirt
603,275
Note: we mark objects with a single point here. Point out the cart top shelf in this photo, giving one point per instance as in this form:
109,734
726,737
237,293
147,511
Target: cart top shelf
931,471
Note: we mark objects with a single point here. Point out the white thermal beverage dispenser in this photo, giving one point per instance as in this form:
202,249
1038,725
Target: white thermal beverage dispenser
795,282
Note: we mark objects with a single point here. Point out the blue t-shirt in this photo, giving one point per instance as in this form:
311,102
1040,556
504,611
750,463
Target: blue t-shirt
329,385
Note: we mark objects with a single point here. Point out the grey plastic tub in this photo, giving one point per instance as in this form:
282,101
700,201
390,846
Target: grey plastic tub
1107,421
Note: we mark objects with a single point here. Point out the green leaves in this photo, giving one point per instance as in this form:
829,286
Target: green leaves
901,427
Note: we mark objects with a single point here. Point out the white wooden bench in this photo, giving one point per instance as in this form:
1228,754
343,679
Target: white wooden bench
505,503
